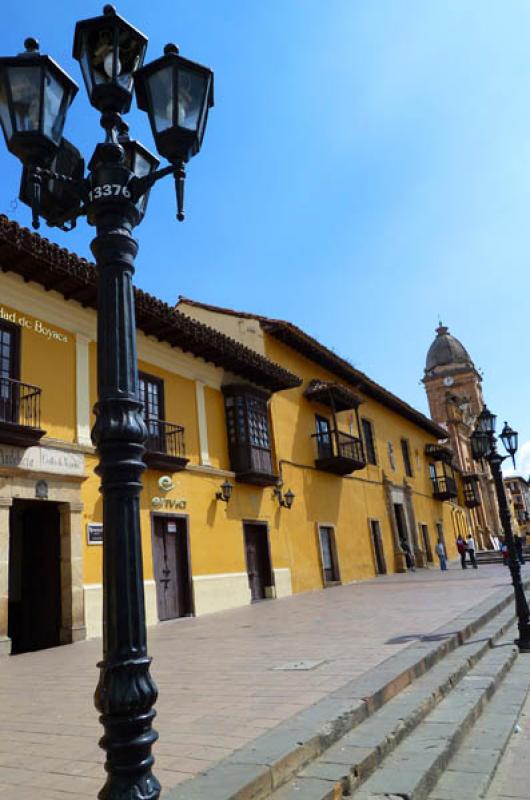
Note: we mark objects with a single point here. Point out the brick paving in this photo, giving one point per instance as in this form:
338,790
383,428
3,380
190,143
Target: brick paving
219,688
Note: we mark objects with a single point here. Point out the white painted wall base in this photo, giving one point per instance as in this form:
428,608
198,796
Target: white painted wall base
94,605
220,592
282,579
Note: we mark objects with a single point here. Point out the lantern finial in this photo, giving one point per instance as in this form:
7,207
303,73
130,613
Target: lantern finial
31,44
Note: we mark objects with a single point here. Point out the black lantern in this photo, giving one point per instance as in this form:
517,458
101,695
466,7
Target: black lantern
288,498
139,160
35,94
109,50
226,492
176,93
509,439
480,444
59,200
486,421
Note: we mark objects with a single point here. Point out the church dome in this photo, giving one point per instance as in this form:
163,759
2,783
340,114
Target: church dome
445,351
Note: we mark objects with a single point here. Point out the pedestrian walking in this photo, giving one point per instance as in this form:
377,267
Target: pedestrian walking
440,552
461,547
471,547
519,548
409,559
504,551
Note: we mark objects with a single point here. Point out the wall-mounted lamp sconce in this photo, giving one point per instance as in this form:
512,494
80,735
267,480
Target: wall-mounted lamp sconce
226,492
285,500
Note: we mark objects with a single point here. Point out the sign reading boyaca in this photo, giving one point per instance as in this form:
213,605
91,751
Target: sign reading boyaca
35,325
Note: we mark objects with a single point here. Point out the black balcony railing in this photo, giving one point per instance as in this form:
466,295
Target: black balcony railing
165,448
20,412
444,487
338,452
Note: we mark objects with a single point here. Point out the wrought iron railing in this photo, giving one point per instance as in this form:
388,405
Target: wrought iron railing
165,437
444,485
336,444
19,403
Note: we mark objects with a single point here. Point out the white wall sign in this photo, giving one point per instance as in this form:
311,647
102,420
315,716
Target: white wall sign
42,459
94,533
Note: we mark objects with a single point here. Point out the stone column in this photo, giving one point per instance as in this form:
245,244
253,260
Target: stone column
5,642
72,592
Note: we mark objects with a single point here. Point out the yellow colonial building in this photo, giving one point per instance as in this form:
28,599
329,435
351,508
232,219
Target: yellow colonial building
243,413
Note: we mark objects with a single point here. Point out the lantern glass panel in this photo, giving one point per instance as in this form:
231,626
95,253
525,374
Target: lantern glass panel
5,116
480,445
25,83
84,60
130,52
486,421
192,88
161,93
55,105
509,438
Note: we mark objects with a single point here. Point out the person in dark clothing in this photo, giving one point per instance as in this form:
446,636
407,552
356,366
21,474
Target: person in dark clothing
461,547
409,560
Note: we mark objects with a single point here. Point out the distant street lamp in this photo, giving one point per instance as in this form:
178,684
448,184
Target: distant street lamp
35,94
484,448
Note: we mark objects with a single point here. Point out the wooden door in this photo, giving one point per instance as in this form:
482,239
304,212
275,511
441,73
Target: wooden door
328,552
426,542
258,560
172,567
379,553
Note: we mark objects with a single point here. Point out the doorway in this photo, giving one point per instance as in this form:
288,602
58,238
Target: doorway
172,566
401,523
377,543
34,607
258,558
426,542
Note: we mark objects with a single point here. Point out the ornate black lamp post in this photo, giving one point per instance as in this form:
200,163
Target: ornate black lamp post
34,97
484,448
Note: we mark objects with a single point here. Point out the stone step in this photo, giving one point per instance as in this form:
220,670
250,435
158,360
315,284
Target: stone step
257,770
352,760
471,771
414,768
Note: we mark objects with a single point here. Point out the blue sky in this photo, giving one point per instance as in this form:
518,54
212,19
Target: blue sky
366,168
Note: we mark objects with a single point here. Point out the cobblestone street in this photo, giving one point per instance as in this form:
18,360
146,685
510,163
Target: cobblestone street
220,677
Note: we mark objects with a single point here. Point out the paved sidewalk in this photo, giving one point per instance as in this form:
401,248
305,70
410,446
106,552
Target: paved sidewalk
512,779
220,686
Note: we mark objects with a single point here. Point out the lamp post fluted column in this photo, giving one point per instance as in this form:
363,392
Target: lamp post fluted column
521,605
126,693
176,93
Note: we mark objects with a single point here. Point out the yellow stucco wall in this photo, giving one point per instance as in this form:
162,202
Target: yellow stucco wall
43,344
216,528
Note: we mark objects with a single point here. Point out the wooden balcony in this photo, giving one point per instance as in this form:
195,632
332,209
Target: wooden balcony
338,452
253,464
444,488
165,448
20,423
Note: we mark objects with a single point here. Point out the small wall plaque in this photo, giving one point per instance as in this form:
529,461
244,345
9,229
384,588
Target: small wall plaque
41,490
94,533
